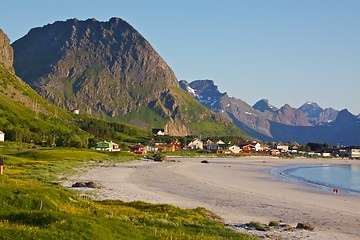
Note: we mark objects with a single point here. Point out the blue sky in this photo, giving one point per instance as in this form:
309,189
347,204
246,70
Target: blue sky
288,51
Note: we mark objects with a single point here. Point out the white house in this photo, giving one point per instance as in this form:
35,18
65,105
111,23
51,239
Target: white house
253,145
158,131
258,147
2,136
353,152
282,148
196,144
235,149
107,146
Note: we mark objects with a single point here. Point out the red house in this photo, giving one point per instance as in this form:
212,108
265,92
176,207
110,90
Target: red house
138,149
176,145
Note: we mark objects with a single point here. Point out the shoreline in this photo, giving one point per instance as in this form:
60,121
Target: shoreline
239,190
285,172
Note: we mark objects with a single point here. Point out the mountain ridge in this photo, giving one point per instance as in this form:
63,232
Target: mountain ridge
305,124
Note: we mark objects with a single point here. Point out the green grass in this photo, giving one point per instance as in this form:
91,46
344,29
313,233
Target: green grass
34,206
145,118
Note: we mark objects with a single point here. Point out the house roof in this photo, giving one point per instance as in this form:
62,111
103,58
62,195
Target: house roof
156,130
248,144
352,147
1,132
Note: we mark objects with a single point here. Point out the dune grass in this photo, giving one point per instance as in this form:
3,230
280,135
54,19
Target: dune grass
35,206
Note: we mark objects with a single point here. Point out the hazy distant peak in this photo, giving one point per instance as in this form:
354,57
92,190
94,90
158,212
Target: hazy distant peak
311,109
264,105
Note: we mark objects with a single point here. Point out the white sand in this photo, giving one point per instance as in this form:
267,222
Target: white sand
238,189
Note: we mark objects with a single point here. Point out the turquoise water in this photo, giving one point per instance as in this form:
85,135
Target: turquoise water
344,177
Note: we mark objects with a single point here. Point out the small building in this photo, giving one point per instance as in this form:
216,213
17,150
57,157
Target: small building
2,136
165,147
76,111
176,145
248,148
196,144
282,148
158,131
353,151
326,154
207,143
274,152
251,146
222,146
213,147
107,146
235,149
138,149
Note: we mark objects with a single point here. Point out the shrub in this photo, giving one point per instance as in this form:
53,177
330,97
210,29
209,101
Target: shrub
274,224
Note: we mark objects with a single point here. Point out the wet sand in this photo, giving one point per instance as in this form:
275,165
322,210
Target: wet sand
239,190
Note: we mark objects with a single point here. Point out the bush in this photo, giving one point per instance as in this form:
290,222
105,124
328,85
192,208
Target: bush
274,224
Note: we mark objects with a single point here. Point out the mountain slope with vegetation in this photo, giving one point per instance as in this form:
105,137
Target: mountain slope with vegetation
27,117
108,69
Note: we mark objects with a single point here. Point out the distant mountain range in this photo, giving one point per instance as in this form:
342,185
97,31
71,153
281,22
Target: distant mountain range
308,123
108,70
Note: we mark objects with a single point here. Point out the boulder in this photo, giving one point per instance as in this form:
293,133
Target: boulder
305,226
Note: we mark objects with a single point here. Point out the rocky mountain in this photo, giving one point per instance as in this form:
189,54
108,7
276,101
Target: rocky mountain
311,109
108,69
27,117
264,105
6,51
317,115
75,64
309,123
327,116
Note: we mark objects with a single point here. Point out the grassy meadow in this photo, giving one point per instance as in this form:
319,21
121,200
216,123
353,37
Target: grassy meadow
35,206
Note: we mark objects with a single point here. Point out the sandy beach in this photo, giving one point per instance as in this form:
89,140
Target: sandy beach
239,190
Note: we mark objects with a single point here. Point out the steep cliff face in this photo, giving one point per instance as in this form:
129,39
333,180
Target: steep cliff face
291,116
6,51
327,116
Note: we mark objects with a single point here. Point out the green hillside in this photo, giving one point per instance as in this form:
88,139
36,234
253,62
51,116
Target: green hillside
27,117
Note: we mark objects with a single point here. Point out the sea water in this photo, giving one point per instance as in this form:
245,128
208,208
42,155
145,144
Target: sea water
344,176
